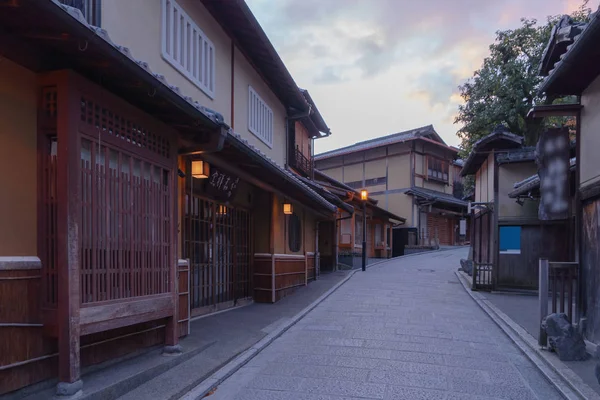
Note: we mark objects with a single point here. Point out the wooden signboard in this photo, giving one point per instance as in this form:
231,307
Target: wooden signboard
222,185
552,155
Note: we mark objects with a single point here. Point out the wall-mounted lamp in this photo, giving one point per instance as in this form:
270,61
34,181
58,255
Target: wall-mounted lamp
364,195
200,169
222,210
288,209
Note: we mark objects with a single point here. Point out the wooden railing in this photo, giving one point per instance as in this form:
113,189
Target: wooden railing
559,279
302,163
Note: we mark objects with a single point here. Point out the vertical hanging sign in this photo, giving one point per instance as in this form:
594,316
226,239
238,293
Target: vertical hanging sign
552,156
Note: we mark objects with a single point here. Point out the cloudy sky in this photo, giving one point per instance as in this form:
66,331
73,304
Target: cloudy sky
376,67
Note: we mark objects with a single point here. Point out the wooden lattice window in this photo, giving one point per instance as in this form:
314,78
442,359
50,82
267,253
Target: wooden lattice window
126,217
294,233
49,221
217,242
108,122
437,169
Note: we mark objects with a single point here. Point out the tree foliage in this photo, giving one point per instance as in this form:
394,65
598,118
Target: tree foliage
504,89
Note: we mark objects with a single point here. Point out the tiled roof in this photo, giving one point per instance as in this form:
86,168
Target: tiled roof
499,138
103,34
533,182
434,195
517,155
584,43
216,117
287,174
422,132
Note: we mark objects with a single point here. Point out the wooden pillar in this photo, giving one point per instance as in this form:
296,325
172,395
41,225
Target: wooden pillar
172,328
273,281
543,299
69,249
305,268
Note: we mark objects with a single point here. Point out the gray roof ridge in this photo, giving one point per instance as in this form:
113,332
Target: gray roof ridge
380,138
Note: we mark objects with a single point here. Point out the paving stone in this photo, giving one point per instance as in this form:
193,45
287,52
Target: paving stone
409,379
403,393
343,388
393,333
492,390
317,371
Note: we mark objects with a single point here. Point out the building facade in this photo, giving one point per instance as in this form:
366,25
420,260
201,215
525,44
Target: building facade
570,68
411,174
507,236
148,192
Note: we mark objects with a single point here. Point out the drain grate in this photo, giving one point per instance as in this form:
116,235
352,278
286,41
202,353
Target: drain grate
426,270
456,283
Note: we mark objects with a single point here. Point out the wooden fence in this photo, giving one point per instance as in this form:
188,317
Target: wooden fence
278,275
559,280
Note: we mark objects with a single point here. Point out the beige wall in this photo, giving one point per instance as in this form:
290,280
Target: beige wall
136,24
246,76
508,174
484,181
335,173
18,161
353,172
401,205
590,134
399,171
375,169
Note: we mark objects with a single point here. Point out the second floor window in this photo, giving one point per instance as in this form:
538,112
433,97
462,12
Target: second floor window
187,48
437,169
260,118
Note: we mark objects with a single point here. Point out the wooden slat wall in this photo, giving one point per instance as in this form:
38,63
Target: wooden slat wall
183,291
21,337
311,267
521,270
279,275
263,278
590,268
290,273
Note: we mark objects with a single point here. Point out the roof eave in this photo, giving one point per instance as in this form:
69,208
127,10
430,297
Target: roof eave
554,83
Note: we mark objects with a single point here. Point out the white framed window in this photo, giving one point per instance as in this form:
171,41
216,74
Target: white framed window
260,117
187,48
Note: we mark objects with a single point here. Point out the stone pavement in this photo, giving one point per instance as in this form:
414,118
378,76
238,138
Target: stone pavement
404,329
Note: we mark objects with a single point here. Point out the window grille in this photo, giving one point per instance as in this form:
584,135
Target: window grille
260,118
187,48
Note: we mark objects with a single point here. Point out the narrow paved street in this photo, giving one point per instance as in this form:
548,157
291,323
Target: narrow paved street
404,329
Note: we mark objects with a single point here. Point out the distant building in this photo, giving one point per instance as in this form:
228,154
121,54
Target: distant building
412,174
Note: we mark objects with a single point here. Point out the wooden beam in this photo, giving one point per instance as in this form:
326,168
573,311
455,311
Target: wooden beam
69,179
111,315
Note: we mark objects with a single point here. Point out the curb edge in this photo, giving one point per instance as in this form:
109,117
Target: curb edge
527,344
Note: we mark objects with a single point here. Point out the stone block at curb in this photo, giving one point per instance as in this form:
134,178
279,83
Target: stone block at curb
241,360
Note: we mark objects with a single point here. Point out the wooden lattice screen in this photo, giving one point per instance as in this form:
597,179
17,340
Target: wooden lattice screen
216,240
48,229
126,203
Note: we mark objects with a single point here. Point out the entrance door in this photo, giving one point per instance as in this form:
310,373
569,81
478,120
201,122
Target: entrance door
217,242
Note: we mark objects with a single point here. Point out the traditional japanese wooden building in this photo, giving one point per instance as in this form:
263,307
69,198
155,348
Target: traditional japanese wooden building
570,67
507,237
127,205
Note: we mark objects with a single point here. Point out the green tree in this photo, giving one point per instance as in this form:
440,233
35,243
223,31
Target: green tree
504,89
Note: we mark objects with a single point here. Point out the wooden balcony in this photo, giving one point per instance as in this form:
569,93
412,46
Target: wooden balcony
301,162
